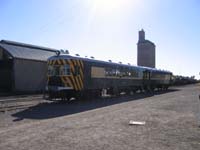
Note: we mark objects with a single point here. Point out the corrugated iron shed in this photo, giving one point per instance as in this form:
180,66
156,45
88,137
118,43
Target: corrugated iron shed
23,66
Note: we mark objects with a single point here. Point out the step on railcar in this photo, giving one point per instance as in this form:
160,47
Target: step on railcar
72,76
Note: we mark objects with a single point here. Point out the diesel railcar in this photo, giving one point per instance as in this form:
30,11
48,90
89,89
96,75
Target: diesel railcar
72,76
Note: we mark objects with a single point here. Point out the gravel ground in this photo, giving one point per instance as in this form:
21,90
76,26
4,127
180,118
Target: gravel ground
171,123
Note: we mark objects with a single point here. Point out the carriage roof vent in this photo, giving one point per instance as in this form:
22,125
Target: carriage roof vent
120,62
92,57
77,54
62,51
129,64
110,60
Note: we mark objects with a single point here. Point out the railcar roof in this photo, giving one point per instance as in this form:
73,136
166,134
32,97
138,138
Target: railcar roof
67,56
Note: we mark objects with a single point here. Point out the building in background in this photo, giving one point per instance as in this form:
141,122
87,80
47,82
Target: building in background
146,55
23,67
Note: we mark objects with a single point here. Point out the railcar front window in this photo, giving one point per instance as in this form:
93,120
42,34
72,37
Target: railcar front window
50,70
53,70
66,70
56,70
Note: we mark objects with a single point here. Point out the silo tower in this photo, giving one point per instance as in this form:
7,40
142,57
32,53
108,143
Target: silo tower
145,51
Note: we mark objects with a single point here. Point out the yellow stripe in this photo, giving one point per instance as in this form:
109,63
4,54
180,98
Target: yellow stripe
80,77
74,62
54,62
71,65
59,62
74,83
78,84
73,71
76,79
81,63
69,81
63,80
81,69
63,61
50,62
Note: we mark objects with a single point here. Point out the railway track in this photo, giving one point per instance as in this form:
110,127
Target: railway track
16,107
10,99
19,102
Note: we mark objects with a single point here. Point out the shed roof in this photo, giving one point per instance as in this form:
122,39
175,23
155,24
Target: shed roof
27,51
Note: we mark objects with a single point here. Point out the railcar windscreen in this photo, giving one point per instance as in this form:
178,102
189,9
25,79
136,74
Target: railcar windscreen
57,70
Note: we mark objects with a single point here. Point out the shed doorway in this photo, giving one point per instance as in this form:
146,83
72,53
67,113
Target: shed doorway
6,70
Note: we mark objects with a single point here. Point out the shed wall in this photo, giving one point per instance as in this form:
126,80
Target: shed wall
30,76
1,54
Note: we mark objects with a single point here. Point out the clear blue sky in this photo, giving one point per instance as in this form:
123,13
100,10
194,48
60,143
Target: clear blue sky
108,29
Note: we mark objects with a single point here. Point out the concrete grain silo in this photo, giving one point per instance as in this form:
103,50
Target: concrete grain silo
145,51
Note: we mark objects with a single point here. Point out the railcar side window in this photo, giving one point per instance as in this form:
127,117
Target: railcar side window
134,73
110,72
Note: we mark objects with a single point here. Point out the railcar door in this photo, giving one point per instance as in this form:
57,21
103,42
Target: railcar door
146,79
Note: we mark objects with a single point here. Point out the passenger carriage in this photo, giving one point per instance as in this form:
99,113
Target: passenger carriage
73,76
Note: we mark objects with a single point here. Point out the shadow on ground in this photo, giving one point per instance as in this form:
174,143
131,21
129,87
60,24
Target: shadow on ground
57,109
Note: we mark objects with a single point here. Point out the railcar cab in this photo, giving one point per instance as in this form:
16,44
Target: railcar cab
64,76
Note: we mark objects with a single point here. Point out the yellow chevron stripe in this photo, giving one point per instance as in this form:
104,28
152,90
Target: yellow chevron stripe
78,84
54,62
63,80
74,83
81,69
81,62
79,76
69,81
63,61
71,65
74,62
81,82
59,62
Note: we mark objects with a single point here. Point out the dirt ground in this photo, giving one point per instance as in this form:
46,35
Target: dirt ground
171,123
